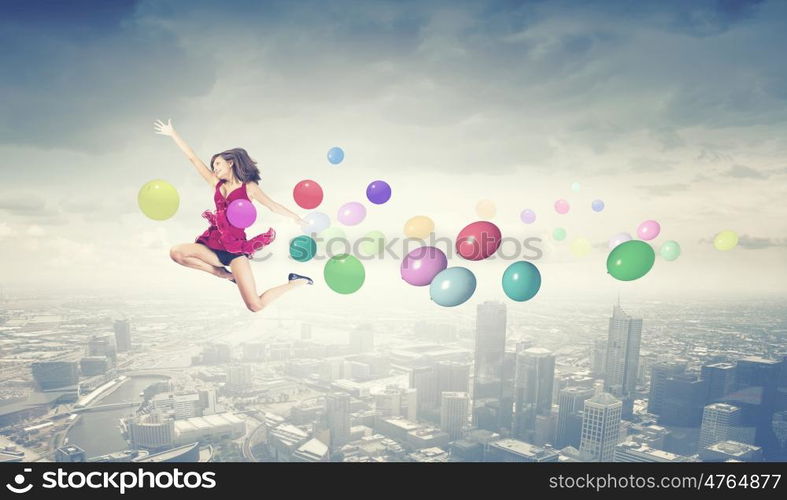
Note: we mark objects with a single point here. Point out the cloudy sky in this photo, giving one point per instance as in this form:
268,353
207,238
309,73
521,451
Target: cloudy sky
674,111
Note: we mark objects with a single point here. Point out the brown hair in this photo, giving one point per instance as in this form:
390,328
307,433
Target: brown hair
244,168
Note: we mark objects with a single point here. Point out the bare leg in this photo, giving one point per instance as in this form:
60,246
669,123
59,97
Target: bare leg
241,270
197,256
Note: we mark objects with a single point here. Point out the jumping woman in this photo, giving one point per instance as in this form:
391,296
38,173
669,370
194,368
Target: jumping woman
234,176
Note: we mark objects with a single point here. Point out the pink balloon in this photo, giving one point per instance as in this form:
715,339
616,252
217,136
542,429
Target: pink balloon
241,213
561,206
478,240
351,213
648,230
421,265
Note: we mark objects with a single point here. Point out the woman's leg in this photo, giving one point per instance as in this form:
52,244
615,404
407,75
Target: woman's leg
198,256
241,270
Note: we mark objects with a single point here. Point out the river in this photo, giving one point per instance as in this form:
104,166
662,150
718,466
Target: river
98,433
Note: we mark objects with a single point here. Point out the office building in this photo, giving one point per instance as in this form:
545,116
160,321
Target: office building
684,401
102,345
600,428
70,453
535,374
571,403
337,414
724,451
720,378
454,413
720,422
122,335
622,361
514,450
54,375
659,374
489,354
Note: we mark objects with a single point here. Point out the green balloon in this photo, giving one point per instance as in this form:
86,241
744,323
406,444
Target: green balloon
158,199
670,250
333,241
302,248
630,260
372,244
344,273
559,234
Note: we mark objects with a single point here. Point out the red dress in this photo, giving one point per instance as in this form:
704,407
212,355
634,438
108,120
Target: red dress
221,235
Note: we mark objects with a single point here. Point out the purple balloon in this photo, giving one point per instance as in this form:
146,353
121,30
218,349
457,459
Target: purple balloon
351,213
378,192
618,239
421,265
241,213
528,216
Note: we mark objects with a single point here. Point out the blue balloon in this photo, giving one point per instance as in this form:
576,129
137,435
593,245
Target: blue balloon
452,286
597,205
521,281
335,155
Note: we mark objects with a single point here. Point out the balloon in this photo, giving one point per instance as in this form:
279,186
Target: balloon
378,192
630,260
158,199
725,240
333,241
618,239
352,213
597,205
344,274
575,187
648,230
241,213
421,265
478,240
452,286
316,222
486,209
302,248
528,216
372,243
307,194
419,227
335,155
559,234
670,250
561,206
580,247
521,281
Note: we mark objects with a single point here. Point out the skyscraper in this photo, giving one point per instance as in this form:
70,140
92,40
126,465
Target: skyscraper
720,422
122,335
571,402
337,414
424,380
453,413
453,376
720,378
622,360
598,355
362,339
535,374
684,400
659,374
600,428
490,341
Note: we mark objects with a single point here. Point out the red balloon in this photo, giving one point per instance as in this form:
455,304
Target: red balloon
478,240
307,194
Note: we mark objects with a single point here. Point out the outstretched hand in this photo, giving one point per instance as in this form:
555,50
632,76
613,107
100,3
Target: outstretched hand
164,128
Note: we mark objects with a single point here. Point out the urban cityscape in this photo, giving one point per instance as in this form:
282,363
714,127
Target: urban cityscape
101,380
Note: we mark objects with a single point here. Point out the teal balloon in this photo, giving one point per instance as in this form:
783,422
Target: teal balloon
303,248
670,250
344,274
630,260
521,281
452,286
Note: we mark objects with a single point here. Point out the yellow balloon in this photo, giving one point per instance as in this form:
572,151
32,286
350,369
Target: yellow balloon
580,247
419,226
486,209
158,199
725,240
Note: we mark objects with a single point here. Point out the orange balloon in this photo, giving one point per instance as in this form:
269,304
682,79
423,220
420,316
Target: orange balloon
419,226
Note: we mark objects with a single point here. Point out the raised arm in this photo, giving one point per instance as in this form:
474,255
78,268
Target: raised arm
253,189
202,169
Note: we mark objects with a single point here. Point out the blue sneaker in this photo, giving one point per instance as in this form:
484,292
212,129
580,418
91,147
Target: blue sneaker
293,276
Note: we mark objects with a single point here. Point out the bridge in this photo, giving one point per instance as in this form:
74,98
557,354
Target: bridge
109,406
